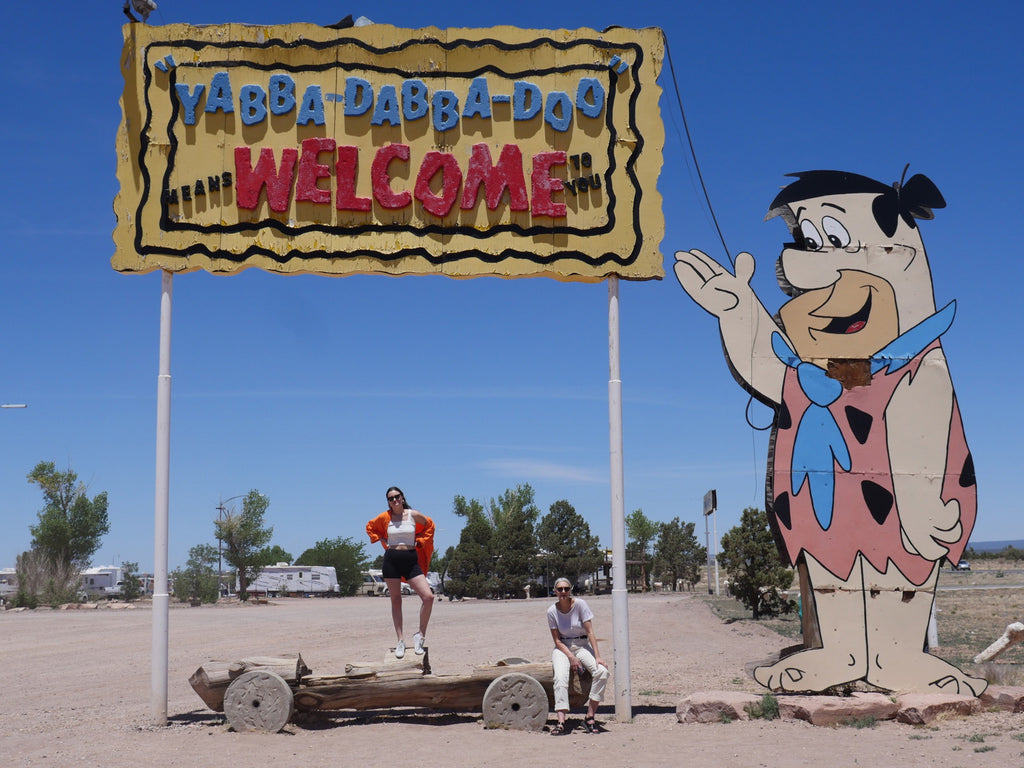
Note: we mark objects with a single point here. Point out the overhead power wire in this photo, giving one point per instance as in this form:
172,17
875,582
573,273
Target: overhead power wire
693,153
714,219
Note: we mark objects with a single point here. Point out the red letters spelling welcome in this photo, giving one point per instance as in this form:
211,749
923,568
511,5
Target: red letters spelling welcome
306,170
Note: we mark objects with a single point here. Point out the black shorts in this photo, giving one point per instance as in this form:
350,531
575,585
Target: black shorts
401,564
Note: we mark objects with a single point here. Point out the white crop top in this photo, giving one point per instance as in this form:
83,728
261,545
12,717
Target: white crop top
403,533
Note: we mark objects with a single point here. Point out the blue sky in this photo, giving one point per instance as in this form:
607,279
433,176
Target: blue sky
321,392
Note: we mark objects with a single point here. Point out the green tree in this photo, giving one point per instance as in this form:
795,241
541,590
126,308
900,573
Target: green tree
71,525
131,589
244,537
347,556
756,572
567,546
470,565
198,579
677,553
641,530
514,540
275,554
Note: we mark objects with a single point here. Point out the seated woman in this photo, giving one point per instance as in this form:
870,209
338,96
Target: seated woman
572,627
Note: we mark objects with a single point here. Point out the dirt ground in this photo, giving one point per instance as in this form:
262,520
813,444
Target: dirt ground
75,689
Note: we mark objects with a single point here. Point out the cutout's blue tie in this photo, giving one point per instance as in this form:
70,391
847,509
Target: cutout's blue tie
819,446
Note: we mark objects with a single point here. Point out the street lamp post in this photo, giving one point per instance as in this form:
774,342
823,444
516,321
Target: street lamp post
710,507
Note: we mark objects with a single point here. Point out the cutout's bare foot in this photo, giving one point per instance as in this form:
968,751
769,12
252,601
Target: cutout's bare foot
962,684
925,673
811,670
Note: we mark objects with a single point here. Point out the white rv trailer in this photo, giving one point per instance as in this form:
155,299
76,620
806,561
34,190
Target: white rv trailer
373,583
283,580
103,581
8,584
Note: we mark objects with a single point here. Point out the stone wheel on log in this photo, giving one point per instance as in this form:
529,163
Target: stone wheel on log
515,701
259,701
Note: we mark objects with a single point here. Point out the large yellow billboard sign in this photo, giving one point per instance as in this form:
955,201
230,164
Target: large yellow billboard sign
462,152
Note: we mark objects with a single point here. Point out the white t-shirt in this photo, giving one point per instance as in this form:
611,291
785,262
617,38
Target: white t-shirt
570,625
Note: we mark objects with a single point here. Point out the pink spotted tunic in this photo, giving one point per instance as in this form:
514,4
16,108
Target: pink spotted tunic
866,517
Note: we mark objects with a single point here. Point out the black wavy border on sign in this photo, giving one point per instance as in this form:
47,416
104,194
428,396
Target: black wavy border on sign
432,258
168,224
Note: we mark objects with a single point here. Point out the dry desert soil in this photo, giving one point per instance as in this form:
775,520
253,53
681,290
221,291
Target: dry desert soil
75,690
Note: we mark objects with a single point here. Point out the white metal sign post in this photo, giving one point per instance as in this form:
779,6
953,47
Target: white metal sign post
161,596
620,604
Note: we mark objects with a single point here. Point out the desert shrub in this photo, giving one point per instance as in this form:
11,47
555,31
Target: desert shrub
44,581
766,709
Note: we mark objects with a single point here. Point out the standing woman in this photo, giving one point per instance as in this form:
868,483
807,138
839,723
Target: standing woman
408,540
572,627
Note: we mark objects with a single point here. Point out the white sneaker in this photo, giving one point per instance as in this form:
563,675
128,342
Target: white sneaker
400,649
417,640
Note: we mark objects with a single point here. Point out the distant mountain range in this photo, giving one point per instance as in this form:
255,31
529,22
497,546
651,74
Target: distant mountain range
995,546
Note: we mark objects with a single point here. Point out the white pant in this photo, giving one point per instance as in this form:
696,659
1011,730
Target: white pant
560,664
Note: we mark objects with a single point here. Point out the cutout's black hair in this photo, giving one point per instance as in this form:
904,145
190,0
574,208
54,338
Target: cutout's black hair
913,200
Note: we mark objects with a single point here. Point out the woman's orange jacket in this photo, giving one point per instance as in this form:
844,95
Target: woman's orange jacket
377,529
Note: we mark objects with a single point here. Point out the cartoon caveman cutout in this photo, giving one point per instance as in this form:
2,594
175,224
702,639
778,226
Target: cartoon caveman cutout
870,482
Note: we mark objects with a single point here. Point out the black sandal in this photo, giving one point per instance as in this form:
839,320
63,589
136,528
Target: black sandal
590,725
558,729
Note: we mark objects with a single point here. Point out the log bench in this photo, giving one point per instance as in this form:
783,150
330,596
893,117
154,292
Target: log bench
262,693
